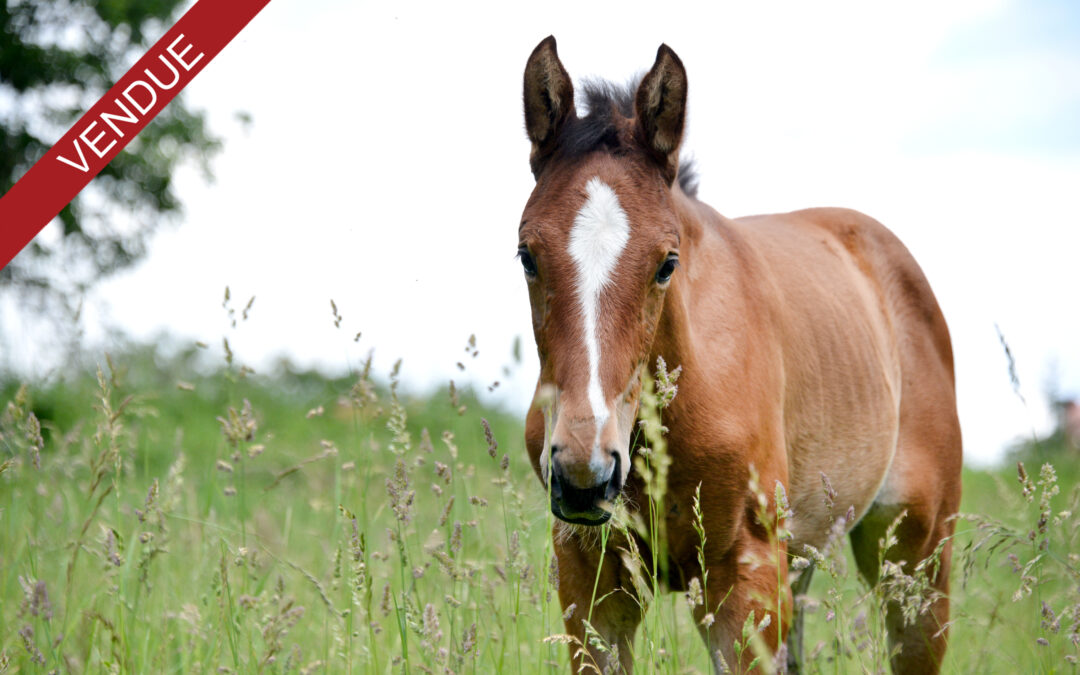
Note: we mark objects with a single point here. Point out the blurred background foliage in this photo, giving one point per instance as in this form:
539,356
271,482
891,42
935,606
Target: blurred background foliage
57,58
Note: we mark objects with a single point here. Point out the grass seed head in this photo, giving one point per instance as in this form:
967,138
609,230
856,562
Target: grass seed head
30,645
489,436
694,595
468,641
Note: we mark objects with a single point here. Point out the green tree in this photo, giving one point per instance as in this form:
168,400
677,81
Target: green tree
57,58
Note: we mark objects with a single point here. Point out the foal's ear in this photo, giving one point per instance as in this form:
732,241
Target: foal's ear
549,100
660,106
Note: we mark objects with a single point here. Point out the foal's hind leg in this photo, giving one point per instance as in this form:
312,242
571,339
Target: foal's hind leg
795,652
924,481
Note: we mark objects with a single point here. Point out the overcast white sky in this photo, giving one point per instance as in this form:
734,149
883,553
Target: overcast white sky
386,168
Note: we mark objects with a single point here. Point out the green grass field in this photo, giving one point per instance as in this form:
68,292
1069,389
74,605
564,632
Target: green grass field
154,519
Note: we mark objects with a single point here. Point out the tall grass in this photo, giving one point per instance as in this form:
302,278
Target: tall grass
154,518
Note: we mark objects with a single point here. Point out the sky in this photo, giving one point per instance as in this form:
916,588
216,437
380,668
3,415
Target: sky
386,166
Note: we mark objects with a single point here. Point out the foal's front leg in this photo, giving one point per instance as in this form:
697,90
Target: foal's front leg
745,579
616,614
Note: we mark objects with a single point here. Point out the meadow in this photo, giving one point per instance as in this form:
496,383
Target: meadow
158,515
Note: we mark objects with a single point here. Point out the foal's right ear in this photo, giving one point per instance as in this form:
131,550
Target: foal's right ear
549,101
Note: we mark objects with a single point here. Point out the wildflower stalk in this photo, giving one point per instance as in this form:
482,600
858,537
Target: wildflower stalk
652,463
699,527
780,535
549,553
605,532
401,499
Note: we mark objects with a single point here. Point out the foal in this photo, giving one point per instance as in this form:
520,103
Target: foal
810,344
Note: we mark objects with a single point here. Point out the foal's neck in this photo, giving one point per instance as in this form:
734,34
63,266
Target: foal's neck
697,244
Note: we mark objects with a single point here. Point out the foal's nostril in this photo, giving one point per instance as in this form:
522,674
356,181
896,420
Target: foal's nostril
614,486
552,470
556,483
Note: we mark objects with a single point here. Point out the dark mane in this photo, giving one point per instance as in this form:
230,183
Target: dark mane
602,100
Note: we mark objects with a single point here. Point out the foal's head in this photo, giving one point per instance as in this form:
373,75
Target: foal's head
599,244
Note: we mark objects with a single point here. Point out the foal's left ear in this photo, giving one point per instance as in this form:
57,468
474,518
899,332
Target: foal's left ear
660,106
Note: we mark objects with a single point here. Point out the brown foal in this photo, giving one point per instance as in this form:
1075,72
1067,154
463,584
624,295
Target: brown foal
810,344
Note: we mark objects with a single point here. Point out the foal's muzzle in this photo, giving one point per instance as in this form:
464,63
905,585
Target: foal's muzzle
584,506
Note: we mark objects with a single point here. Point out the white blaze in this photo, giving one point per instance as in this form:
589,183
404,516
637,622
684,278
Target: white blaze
601,230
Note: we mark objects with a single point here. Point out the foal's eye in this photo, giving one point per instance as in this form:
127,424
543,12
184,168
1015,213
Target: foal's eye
527,261
663,275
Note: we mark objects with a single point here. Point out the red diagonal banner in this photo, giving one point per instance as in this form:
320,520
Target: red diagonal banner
114,120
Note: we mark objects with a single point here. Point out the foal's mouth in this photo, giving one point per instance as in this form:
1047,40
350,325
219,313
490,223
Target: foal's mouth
586,506
595,518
